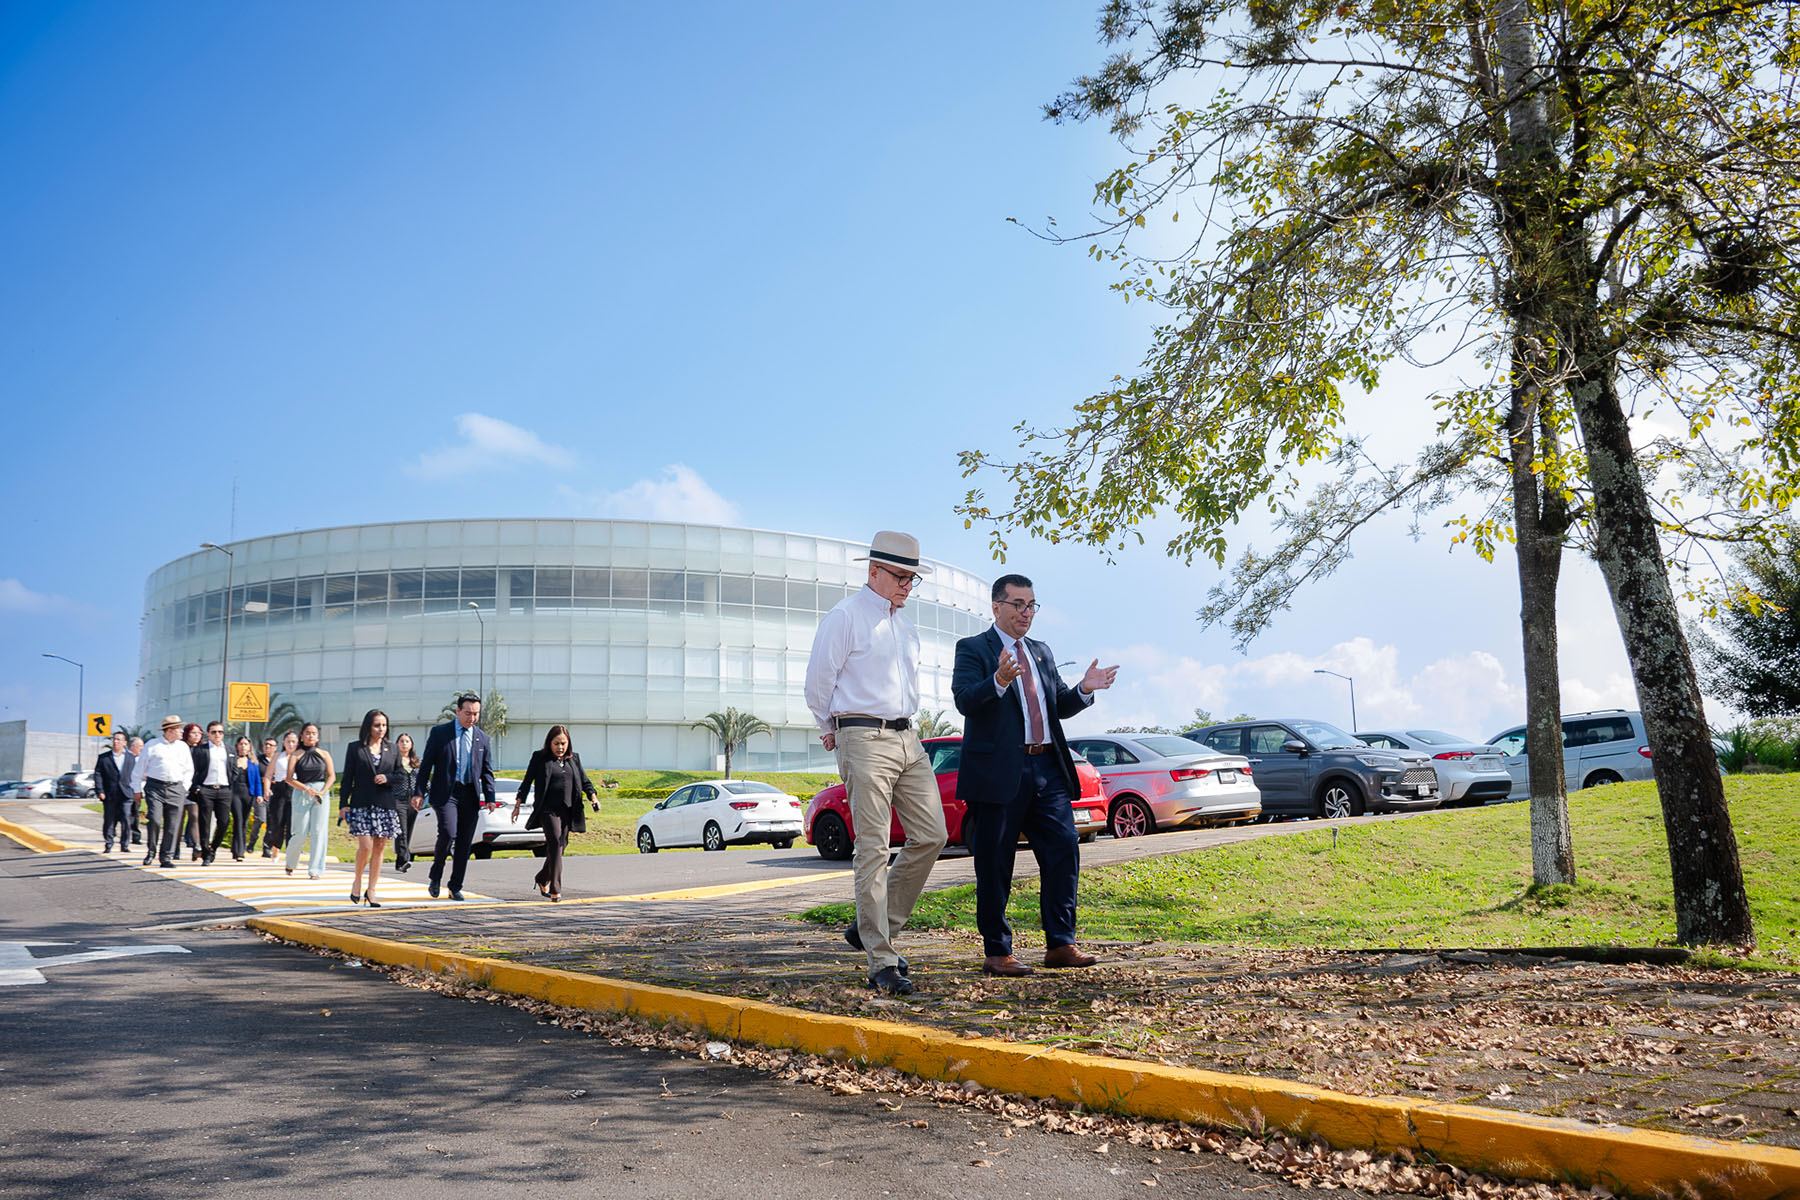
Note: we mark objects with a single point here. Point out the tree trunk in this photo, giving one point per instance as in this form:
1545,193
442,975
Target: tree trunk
1539,522
1711,906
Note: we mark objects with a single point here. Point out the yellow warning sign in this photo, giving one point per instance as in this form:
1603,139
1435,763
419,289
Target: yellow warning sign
100,724
249,702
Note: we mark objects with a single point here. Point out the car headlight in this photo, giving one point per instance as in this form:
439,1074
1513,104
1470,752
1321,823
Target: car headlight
1376,760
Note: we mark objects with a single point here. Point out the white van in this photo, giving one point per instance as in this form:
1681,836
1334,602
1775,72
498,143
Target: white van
1604,746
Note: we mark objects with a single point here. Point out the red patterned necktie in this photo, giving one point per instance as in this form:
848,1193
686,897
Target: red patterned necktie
1034,701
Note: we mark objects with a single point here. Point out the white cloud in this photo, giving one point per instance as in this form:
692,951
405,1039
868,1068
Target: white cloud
678,494
16,597
487,443
1467,693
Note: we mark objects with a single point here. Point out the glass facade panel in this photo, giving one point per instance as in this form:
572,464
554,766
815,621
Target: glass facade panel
618,627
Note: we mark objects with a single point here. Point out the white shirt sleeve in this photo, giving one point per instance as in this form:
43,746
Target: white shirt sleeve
830,648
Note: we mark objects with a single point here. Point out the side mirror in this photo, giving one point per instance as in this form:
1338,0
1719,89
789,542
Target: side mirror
1296,746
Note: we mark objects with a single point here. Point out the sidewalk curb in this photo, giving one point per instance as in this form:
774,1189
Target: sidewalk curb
1518,1145
31,839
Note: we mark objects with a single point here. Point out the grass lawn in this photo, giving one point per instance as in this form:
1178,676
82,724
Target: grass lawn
1453,878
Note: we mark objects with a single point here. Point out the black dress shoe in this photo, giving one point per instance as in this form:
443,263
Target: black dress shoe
432,887
148,859
853,935
168,864
891,981
455,895
403,867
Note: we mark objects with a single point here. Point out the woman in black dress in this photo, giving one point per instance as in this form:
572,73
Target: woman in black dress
366,802
561,783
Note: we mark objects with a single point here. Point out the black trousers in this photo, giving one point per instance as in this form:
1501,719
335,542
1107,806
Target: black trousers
115,816
456,833
556,840
131,813
236,812
215,810
409,816
281,815
1040,810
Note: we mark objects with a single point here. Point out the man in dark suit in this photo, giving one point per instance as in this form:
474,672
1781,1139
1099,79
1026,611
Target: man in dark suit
111,784
1016,775
131,808
456,775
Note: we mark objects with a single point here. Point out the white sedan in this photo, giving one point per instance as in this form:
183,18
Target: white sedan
720,813
495,828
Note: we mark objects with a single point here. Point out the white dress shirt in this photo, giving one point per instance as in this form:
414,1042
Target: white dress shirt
865,659
171,762
278,768
1020,653
215,766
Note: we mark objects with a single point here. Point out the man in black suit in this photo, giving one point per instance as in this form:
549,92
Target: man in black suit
112,784
456,775
1016,774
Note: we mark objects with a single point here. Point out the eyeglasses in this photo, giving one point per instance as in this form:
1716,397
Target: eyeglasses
1023,607
903,580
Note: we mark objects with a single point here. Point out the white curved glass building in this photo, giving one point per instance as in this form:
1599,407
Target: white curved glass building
626,631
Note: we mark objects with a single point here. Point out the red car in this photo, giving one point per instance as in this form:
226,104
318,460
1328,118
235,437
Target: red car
828,824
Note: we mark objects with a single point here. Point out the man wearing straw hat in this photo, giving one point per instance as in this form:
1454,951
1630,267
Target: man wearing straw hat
161,779
862,685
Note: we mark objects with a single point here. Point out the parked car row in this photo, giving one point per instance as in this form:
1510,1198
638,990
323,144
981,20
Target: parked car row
28,789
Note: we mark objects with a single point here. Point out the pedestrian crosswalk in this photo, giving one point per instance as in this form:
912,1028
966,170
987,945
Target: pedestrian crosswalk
264,884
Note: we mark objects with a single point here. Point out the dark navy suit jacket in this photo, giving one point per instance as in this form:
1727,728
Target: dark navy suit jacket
993,745
437,765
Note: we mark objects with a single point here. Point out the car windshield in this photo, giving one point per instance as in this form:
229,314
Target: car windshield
1437,737
1325,737
748,785
1169,747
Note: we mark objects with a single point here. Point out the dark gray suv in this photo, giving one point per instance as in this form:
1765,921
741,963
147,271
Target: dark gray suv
1308,768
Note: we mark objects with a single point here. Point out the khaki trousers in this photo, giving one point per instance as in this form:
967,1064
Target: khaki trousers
887,772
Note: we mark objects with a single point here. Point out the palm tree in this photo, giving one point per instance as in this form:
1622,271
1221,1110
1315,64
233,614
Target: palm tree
733,729
283,716
934,722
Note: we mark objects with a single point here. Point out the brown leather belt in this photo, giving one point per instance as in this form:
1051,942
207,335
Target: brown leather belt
1039,747
871,723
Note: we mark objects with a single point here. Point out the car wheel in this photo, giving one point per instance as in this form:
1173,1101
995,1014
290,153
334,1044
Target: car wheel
831,837
783,843
1131,817
1601,779
481,852
1339,799
712,837
646,840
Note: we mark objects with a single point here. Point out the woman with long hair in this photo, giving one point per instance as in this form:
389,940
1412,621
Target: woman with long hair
281,796
406,766
195,737
561,783
244,775
366,802
310,775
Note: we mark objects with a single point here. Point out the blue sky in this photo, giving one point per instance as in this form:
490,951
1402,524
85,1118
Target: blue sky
723,262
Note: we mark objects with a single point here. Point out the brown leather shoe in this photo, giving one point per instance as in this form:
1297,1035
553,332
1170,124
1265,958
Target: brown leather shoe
1005,965
1068,956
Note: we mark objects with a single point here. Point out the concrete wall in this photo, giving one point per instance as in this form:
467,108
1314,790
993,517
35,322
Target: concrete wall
27,754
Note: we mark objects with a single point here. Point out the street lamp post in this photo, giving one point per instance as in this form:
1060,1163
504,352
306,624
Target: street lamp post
80,704
1352,683
225,653
480,655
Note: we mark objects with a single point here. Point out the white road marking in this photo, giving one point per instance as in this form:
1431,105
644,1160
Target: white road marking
19,967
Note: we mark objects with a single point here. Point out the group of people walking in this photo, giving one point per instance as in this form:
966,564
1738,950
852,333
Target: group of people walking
1015,776
190,789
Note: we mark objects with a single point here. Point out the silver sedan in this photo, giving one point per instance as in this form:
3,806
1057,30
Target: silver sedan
1469,772
1158,781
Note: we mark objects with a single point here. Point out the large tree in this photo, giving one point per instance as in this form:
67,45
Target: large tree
1599,200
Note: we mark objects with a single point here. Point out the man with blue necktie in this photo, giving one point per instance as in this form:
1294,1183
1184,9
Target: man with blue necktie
456,775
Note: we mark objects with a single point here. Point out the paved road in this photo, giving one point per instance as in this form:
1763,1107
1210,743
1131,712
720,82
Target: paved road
244,1068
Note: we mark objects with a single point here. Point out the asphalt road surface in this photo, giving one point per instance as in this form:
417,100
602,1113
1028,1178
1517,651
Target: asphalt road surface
206,1062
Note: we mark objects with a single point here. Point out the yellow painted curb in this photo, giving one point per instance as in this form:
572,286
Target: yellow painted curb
31,839
1517,1145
